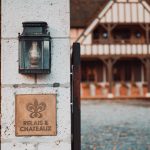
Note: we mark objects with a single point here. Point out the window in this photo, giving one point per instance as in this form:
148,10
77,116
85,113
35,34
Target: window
128,34
100,35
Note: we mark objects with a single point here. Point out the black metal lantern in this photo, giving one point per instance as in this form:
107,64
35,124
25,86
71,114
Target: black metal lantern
34,48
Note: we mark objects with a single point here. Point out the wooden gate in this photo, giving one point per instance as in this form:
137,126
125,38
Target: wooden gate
75,97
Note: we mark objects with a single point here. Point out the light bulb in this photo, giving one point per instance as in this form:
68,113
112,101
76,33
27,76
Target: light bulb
34,55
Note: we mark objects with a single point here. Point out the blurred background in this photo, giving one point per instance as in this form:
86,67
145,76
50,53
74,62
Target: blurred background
115,81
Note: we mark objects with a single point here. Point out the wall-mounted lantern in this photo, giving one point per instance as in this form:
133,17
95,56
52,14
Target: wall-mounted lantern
34,48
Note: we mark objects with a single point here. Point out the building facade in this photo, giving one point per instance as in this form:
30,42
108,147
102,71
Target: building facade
115,49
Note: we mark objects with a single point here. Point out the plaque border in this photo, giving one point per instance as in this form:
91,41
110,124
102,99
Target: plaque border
16,134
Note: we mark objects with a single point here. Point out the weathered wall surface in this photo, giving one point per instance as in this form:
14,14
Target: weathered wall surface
56,14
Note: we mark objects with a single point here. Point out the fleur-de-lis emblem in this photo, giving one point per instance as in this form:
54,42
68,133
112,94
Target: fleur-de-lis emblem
36,109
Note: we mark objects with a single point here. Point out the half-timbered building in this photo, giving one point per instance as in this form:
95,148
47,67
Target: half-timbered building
115,48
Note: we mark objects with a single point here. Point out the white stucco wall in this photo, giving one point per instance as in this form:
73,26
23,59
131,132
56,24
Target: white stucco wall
56,14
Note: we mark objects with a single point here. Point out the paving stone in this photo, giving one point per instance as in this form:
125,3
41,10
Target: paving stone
126,128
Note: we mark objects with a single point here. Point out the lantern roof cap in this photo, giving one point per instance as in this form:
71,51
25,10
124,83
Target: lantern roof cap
34,24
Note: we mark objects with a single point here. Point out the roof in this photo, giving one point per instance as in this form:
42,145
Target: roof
83,11
119,11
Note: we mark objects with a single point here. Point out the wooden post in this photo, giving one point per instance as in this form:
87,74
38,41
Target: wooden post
109,36
147,37
76,118
132,74
109,66
109,33
147,33
148,73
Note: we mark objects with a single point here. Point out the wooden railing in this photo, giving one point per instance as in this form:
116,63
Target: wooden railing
115,49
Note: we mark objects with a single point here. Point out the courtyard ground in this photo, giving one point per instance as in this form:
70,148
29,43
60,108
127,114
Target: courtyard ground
115,125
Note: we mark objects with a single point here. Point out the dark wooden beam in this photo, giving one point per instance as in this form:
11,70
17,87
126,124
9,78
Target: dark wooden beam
110,79
109,34
114,57
147,33
142,26
76,118
104,26
113,26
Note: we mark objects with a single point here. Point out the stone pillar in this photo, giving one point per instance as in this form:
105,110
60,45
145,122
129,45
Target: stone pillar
56,14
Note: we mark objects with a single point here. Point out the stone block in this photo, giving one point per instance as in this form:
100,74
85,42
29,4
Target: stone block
55,13
62,106
60,64
8,113
9,64
57,145
17,146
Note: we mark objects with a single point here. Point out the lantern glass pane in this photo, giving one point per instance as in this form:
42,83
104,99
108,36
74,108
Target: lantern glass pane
34,54
32,50
46,55
21,54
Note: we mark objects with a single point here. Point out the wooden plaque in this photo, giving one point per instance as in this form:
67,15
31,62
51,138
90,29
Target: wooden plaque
35,115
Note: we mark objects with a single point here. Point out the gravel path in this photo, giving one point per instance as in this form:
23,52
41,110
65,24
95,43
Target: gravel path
115,125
